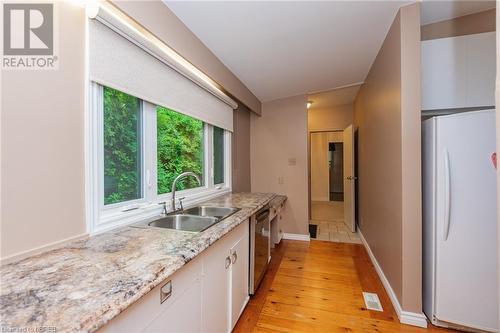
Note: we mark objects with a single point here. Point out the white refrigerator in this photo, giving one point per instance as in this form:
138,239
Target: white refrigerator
460,276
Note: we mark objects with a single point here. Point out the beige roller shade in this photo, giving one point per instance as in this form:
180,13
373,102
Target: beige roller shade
123,61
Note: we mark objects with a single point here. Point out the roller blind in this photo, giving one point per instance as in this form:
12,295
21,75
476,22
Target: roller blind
121,62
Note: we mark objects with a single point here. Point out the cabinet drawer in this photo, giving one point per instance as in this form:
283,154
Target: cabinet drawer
140,314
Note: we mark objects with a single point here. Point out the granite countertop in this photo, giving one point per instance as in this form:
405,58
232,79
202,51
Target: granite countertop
86,283
277,200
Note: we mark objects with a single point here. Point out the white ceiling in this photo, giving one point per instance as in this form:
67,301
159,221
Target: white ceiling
435,11
286,48
281,49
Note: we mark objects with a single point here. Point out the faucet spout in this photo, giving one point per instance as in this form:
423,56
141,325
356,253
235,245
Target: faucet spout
174,184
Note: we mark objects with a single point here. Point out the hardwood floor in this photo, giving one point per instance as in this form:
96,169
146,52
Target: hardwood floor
317,287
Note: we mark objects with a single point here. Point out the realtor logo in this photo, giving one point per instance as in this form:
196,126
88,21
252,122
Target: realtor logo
28,36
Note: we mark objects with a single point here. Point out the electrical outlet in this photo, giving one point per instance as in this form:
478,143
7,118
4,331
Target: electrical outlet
281,181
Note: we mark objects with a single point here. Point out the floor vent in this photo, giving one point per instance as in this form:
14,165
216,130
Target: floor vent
372,302
313,230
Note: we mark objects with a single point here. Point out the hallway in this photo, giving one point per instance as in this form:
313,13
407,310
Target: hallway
317,287
329,217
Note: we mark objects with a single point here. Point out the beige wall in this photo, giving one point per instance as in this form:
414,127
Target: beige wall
42,149
377,119
327,119
464,25
387,121
163,23
241,150
279,150
411,136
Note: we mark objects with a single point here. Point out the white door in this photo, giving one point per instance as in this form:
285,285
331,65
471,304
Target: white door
466,252
239,277
349,179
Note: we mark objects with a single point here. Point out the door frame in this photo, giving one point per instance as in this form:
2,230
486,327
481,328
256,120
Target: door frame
309,133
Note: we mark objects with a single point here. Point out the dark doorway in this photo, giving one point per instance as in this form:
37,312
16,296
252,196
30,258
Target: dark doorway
336,170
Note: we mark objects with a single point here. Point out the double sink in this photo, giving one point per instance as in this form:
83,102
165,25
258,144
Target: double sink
195,219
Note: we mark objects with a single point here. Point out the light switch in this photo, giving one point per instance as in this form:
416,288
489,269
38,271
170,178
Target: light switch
281,180
292,161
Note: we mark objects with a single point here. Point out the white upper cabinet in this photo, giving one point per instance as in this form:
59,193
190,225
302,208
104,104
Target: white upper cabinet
458,72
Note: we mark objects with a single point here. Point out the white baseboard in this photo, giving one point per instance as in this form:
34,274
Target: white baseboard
405,317
298,237
40,249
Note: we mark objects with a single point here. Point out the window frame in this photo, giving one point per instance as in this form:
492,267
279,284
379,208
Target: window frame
224,140
100,135
101,217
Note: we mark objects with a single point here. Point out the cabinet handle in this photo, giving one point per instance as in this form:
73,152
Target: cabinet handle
228,262
165,291
235,257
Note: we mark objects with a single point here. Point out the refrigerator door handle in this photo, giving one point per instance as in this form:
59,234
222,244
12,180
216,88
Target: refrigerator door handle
447,193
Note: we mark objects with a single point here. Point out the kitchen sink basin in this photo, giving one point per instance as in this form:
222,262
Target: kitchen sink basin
218,212
184,222
195,219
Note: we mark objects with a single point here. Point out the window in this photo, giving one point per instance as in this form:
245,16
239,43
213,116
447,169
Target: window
179,149
122,147
218,155
136,151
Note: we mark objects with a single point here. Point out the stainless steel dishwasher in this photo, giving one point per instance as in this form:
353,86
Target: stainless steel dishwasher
259,247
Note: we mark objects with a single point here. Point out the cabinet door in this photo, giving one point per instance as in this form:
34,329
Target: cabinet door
239,276
215,296
443,73
148,313
481,64
183,315
458,71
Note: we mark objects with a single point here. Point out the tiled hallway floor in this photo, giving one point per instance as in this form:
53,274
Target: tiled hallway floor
335,231
329,217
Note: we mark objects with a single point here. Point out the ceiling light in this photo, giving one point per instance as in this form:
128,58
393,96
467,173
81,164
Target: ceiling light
309,103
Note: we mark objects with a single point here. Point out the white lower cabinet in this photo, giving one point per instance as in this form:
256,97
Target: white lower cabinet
207,295
225,281
183,315
215,291
239,277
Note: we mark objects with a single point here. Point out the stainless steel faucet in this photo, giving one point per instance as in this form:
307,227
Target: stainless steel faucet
182,175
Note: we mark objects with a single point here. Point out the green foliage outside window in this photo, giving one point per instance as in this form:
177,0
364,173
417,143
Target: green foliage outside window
179,149
122,147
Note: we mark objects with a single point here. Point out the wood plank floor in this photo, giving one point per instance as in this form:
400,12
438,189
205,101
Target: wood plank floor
317,287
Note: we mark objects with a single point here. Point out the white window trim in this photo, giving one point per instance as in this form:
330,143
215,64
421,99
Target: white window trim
102,217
